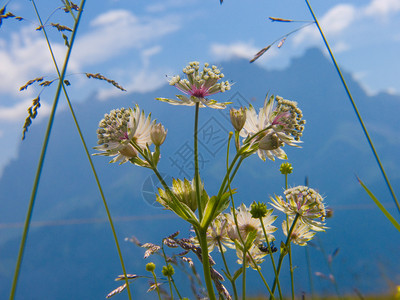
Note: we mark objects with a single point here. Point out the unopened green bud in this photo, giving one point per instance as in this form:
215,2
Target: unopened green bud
168,271
258,210
238,118
286,168
158,134
150,267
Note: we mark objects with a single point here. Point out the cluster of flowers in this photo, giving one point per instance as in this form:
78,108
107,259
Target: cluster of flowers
127,134
123,131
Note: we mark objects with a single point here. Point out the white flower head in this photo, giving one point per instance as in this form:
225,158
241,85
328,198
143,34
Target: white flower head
248,224
273,127
198,85
301,233
304,201
119,130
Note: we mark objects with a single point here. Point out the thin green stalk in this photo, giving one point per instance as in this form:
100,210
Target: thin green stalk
272,258
42,157
196,163
282,256
355,109
290,262
88,156
244,270
245,250
227,270
290,248
176,289
169,278
202,237
155,282
161,179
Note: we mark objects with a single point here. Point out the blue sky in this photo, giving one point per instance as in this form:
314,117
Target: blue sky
138,43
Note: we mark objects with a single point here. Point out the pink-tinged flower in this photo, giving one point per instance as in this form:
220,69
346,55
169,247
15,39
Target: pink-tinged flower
305,202
273,127
198,86
119,130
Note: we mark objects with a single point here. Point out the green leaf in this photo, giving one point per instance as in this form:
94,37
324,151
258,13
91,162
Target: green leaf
237,273
381,207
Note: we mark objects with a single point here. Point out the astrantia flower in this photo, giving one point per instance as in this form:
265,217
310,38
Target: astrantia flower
198,86
248,224
304,201
273,127
254,256
301,233
217,233
119,130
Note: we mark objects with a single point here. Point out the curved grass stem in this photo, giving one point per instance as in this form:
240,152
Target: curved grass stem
91,164
375,153
43,154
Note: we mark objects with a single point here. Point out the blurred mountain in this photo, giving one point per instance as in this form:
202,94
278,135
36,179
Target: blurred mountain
70,251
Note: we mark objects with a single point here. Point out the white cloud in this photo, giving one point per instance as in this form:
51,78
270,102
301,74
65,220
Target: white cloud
333,23
382,8
164,5
23,57
235,50
339,18
18,112
119,30
148,53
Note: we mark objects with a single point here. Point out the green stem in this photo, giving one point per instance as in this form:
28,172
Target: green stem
282,256
244,270
202,237
155,282
169,278
272,258
227,270
42,157
290,263
289,246
89,159
196,163
245,250
161,179
355,109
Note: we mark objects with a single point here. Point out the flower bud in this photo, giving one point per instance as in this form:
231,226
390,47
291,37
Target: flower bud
158,134
286,168
270,142
238,118
168,271
129,151
150,267
258,210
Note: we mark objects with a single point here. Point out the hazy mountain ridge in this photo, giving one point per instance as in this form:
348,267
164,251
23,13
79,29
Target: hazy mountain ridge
334,150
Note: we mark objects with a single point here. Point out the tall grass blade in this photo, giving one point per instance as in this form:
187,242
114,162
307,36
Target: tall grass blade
381,207
41,159
355,109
